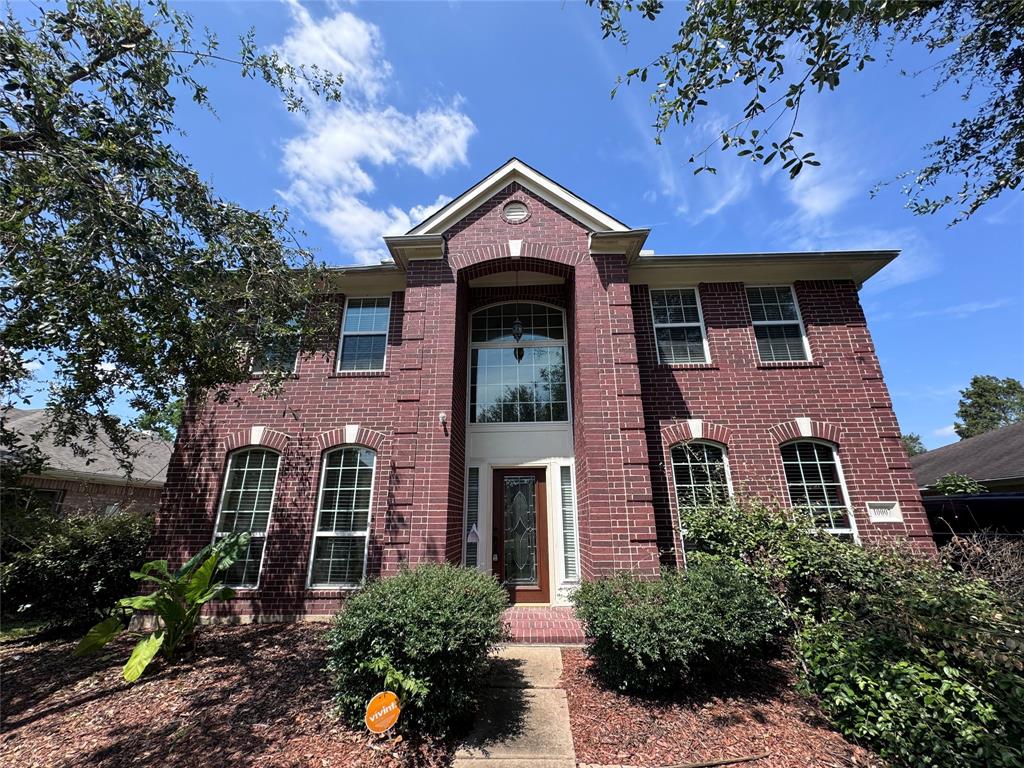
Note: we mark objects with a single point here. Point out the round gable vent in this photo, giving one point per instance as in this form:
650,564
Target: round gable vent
515,212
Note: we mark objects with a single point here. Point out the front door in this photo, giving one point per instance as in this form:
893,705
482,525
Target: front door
520,545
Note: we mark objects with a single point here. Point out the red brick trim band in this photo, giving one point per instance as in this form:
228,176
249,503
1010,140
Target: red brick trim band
681,431
796,429
351,435
256,435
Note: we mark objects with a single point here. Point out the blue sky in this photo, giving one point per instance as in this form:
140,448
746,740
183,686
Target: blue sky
439,94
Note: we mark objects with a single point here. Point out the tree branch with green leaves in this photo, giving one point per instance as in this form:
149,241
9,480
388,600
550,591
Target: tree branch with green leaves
778,52
121,267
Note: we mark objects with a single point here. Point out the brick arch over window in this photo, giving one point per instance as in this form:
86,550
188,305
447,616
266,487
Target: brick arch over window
533,256
351,435
694,429
256,436
803,428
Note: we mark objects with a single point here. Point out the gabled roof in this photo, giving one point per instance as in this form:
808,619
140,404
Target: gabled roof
515,170
100,466
995,455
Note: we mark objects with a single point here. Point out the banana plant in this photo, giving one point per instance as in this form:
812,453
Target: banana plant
177,601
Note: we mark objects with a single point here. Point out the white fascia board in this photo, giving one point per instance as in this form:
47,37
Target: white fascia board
516,170
406,248
374,280
665,271
628,243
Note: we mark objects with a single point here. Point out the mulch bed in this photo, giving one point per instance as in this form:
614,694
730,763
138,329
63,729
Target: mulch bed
761,714
250,695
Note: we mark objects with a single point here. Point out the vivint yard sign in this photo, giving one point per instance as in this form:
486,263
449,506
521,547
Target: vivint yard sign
382,712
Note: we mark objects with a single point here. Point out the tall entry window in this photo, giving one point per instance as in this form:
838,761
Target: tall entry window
517,364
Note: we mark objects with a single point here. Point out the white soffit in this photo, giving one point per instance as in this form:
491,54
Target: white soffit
516,170
669,271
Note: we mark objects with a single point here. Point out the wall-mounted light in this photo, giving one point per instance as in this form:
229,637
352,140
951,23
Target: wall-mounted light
442,417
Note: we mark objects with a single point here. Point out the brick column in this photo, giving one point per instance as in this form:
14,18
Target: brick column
616,513
422,492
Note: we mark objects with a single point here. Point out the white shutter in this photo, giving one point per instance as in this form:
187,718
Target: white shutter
472,514
569,537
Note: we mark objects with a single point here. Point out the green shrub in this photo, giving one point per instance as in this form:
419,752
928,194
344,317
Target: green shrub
78,569
651,635
919,661
176,601
429,628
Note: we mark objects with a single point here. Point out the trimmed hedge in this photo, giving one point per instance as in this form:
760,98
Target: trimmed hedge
78,569
656,635
424,633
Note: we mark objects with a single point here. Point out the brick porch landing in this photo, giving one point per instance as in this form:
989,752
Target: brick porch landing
549,624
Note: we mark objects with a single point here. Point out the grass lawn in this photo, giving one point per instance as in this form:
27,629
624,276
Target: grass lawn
251,695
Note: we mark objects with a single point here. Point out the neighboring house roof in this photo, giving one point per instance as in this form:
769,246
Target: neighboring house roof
100,466
995,455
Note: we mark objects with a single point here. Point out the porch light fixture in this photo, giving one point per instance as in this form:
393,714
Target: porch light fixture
517,329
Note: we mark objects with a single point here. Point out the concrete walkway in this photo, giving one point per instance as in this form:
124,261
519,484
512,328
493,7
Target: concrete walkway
524,716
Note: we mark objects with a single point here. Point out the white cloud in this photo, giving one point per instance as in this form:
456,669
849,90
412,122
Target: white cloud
959,311
947,431
331,164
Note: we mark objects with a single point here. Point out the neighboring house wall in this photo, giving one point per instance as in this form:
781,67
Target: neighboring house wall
751,407
82,496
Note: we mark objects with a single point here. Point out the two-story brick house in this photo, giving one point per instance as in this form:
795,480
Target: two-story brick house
525,390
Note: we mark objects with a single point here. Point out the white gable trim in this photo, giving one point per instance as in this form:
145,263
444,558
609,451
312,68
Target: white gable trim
516,170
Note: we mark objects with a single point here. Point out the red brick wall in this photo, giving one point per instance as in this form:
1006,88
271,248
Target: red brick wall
751,405
627,411
81,496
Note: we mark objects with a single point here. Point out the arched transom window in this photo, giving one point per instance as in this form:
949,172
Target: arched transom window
517,364
701,474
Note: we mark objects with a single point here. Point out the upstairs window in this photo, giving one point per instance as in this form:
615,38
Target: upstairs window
777,324
517,364
343,518
700,473
678,326
279,355
364,334
245,506
815,484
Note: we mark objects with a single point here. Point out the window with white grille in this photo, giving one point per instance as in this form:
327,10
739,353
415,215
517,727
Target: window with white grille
678,326
700,473
777,324
815,483
245,506
364,334
343,518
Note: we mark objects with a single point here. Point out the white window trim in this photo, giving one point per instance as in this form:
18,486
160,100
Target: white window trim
799,320
672,471
343,333
700,322
261,371
852,530
270,512
310,584
564,344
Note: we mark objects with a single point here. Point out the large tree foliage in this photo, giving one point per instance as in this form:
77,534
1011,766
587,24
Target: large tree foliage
988,403
122,269
913,444
778,51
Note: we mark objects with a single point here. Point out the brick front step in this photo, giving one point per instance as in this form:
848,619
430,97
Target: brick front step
549,624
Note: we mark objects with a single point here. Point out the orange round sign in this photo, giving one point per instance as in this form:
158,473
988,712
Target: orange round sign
382,712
